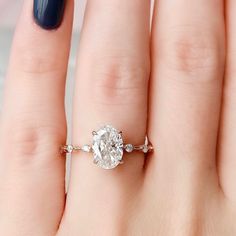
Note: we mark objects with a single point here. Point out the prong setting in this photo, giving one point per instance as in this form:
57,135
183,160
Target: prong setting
108,147
94,133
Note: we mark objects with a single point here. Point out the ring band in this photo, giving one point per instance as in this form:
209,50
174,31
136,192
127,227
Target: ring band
108,147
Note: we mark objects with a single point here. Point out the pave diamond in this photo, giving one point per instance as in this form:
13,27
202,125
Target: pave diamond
129,147
86,148
107,147
145,148
70,148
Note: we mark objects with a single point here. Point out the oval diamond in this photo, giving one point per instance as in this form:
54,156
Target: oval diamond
107,147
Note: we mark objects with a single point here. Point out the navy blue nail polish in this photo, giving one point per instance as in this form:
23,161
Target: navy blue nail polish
49,13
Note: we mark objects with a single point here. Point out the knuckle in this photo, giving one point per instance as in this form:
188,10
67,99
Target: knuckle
37,65
36,62
26,142
192,51
117,81
30,142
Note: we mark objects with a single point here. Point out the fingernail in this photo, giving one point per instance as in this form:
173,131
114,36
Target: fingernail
49,13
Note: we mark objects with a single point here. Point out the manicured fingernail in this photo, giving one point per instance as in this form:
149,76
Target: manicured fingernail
49,13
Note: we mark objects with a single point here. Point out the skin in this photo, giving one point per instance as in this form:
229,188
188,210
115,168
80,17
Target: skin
177,84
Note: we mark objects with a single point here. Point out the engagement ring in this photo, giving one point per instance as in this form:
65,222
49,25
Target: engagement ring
108,147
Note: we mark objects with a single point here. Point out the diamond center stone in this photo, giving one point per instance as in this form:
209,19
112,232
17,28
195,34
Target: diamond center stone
107,147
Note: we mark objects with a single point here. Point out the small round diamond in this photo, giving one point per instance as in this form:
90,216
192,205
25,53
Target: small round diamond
129,147
86,148
145,149
107,147
70,148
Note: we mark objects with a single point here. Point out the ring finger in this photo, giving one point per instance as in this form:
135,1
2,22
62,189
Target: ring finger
111,88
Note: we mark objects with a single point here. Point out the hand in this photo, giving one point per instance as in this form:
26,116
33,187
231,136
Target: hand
187,186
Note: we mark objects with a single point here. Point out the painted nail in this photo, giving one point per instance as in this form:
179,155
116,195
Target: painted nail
48,14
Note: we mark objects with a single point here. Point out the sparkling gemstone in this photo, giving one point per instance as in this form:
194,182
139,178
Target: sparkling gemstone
145,148
70,148
129,147
107,147
86,148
